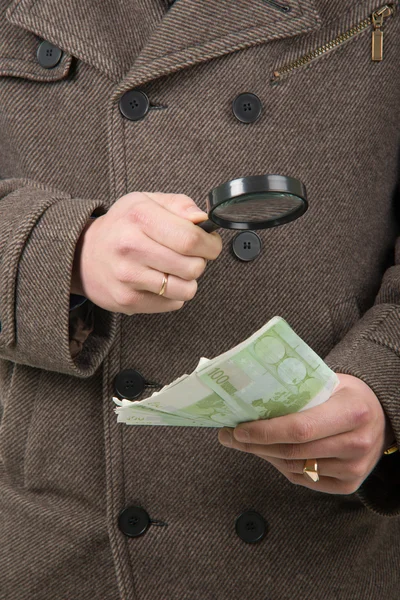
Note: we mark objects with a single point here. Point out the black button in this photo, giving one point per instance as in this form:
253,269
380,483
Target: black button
246,245
48,55
133,521
129,384
251,527
134,105
247,107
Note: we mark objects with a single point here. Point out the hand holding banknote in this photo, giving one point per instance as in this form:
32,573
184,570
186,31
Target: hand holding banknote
347,434
272,373
285,402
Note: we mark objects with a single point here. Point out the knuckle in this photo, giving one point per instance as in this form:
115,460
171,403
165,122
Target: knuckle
197,268
362,443
190,242
138,215
181,199
190,290
356,470
124,245
134,197
302,431
125,298
123,273
361,415
264,435
289,451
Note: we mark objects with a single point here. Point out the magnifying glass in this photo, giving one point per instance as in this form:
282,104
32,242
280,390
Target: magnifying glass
255,202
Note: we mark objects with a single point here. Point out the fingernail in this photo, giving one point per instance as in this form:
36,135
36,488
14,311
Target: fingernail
225,437
195,209
242,435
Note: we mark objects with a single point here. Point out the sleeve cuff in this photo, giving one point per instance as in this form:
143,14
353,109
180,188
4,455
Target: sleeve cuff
42,296
75,301
371,352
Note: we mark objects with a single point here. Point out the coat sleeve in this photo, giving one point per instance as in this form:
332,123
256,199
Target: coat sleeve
39,229
371,352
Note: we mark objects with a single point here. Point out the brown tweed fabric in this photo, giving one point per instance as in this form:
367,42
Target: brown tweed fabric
67,469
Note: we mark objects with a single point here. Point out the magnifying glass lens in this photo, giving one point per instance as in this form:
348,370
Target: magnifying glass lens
255,202
258,207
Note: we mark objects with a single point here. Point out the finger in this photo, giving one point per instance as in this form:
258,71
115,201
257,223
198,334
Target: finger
330,448
328,485
180,205
170,230
176,288
150,254
336,415
143,302
346,480
327,467
345,446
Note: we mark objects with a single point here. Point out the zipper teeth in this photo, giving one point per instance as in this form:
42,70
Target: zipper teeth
323,49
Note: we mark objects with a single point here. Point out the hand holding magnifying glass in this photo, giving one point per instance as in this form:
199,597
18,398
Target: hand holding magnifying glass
146,267
255,202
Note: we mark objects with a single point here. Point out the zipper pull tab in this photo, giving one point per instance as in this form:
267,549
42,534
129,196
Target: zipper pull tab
377,33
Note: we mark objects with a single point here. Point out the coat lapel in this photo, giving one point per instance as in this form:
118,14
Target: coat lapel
191,32
194,31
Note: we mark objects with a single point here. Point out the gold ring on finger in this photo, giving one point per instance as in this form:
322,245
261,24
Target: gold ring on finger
310,469
163,285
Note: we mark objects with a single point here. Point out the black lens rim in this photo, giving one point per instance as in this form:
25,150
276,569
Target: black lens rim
253,184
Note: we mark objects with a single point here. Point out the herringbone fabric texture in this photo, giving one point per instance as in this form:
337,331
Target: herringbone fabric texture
67,469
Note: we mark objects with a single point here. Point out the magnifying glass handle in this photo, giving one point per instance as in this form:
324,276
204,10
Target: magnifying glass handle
208,226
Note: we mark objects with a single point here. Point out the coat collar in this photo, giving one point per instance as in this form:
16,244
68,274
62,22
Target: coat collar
191,32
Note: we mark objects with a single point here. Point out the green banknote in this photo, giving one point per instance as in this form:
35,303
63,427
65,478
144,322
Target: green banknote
132,413
272,373
192,399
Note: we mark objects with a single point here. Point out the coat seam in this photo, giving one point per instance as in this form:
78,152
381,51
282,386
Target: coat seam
381,344
369,335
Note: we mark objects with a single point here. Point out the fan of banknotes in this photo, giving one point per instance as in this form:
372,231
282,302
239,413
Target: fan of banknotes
272,373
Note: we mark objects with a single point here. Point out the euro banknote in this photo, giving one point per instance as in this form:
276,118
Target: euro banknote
272,373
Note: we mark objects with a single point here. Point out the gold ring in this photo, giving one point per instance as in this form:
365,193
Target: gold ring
310,469
163,285
391,449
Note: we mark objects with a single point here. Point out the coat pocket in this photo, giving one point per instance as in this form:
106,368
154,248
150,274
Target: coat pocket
343,316
19,55
352,26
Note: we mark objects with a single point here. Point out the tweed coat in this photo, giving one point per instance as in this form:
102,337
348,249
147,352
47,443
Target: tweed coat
67,469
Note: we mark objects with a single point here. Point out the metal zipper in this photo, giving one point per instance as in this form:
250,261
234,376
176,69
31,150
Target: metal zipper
376,20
